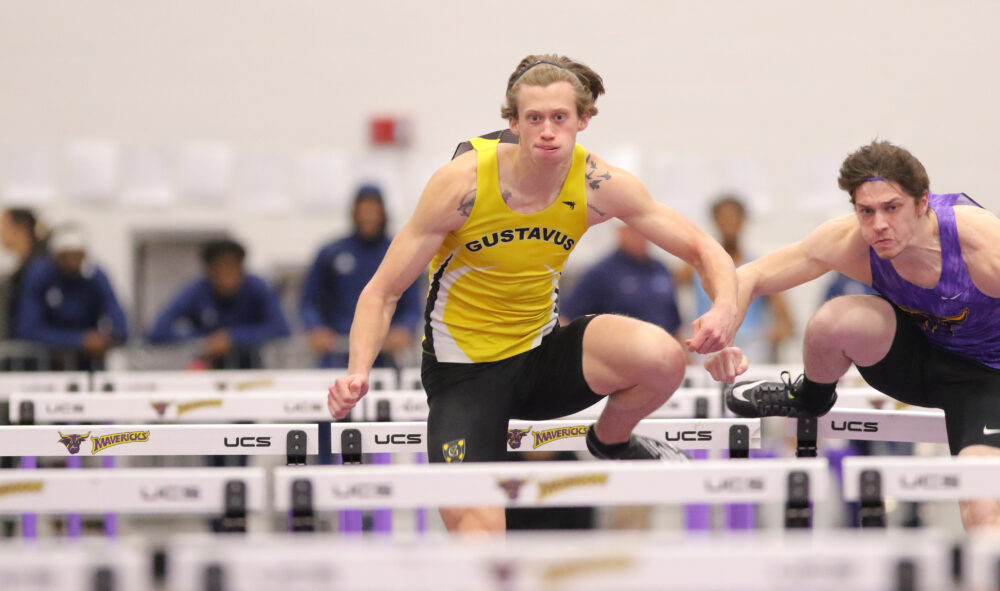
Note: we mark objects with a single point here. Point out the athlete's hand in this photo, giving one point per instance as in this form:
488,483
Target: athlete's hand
726,364
345,392
713,330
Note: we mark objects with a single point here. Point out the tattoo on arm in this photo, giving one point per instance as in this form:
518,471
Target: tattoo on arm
506,196
599,212
465,205
594,176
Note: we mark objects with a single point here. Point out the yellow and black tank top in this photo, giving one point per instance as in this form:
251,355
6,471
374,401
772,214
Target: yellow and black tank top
494,283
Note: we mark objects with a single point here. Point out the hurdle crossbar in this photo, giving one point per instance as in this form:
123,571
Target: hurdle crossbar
921,478
981,561
166,440
173,406
522,484
234,380
584,561
42,382
883,425
411,405
82,565
131,490
556,435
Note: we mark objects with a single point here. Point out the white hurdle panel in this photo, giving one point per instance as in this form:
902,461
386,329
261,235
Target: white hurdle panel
554,435
869,425
870,480
174,406
411,405
167,440
131,490
236,380
42,382
527,484
981,562
884,425
84,565
583,561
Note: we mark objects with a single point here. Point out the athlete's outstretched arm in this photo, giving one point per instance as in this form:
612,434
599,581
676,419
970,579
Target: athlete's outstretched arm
621,195
439,211
834,245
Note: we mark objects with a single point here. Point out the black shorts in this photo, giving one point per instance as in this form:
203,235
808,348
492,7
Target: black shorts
471,403
916,373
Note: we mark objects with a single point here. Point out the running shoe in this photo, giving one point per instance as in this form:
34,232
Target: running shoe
641,447
770,399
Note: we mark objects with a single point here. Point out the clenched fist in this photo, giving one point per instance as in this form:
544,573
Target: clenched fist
345,393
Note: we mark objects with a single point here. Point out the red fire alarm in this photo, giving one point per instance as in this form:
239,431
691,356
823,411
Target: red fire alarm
389,130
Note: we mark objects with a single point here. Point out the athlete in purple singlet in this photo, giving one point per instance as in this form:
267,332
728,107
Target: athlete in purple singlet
930,338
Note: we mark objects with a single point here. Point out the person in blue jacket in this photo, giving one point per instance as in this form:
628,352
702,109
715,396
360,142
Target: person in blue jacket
628,281
336,277
231,311
68,305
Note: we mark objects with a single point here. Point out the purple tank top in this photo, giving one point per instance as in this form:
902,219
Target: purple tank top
954,315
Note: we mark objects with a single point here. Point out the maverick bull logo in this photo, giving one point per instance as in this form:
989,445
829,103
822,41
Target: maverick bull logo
73,441
932,322
512,487
514,437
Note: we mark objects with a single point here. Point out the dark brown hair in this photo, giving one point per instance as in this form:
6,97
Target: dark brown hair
544,69
728,199
881,160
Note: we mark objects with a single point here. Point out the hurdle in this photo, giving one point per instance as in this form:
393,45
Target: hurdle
870,425
231,492
735,435
411,405
305,490
870,480
981,562
585,561
172,406
294,441
35,382
233,380
85,565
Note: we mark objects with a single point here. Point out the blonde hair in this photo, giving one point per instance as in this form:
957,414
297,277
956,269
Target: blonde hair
545,69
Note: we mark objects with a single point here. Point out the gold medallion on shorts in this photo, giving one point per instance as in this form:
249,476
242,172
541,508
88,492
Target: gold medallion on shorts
453,451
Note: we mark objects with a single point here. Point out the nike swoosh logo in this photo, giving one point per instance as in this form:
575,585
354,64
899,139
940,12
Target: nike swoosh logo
951,298
739,390
571,204
988,431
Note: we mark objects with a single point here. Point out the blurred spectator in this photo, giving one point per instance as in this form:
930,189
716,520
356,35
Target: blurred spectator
19,233
629,282
232,312
68,305
768,322
338,274
843,285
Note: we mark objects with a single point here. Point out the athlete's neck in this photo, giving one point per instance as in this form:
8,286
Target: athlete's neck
532,182
920,261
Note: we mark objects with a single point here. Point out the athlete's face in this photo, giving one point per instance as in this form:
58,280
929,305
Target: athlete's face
369,218
226,275
547,121
889,218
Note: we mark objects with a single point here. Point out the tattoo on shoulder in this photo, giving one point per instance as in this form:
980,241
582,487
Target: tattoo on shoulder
594,176
465,205
598,211
506,196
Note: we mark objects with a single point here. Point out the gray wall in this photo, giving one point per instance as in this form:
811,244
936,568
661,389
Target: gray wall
767,93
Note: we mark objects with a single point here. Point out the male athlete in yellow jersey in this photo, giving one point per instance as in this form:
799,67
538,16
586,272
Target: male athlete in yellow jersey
496,225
